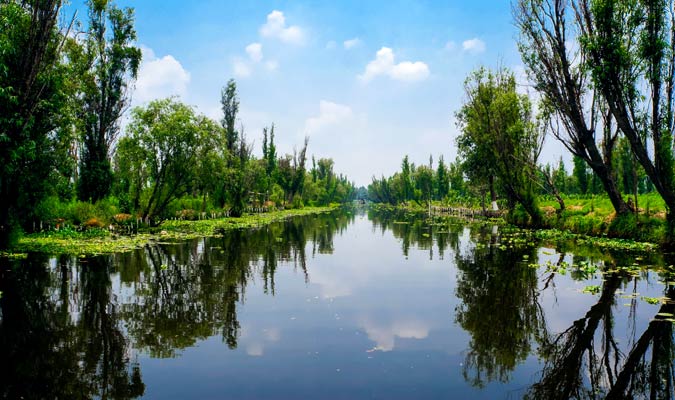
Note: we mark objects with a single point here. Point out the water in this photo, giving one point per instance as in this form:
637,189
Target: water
350,305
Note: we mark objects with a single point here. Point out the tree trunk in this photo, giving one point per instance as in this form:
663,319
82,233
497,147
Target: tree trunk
493,194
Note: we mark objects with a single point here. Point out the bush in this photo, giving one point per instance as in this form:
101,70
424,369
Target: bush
51,209
81,211
297,202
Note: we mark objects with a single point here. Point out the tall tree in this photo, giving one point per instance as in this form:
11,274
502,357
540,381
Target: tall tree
229,101
112,65
442,180
631,49
34,101
557,67
406,177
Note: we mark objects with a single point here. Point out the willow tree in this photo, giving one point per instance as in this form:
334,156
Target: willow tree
499,137
557,66
159,154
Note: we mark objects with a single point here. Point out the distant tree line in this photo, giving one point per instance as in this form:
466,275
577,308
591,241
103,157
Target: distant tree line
63,155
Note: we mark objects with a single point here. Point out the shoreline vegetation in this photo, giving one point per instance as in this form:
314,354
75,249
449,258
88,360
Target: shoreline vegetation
98,241
585,221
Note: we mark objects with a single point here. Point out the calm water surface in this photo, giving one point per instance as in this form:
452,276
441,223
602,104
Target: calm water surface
350,305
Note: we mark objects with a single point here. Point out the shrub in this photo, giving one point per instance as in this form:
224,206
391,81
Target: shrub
93,223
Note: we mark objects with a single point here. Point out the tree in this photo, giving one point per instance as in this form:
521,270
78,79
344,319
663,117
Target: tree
424,182
240,177
406,178
35,88
159,153
557,67
630,47
580,174
230,105
112,63
499,137
442,180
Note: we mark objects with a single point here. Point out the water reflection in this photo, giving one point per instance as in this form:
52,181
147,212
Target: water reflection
499,307
587,361
61,335
384,306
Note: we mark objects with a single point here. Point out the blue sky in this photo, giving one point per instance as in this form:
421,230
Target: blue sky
367,81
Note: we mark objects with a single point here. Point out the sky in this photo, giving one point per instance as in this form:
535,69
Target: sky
368,81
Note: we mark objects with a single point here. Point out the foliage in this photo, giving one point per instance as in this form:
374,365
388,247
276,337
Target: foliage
110,62
158,155
35,109
499,139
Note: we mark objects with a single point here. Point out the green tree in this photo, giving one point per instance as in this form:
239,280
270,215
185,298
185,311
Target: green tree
240,177
442,180
406,178
499,137
229,101
35,114
581,174
424,183
557,68
161,146
629,46
111,63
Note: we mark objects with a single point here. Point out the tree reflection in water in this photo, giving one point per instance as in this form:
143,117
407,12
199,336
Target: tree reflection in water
60,333
577,366
61,329
71,328
499,307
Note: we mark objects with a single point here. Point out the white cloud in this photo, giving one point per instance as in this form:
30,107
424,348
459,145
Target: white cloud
160,77
384,335
275,27
329,114
474,46
254,51
240,68
351,43
384,64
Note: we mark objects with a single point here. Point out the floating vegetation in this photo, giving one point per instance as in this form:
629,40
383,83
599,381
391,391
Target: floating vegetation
651,300
592,289
103,242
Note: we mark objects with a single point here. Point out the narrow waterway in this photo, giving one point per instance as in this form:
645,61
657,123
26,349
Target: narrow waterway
348,305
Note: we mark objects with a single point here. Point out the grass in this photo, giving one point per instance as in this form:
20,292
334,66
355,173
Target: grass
595,216
100,241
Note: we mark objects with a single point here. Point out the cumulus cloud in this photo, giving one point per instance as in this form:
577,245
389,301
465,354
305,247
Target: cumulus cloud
384,64
275,27
329,114
474,46
160,77
254,51
351,43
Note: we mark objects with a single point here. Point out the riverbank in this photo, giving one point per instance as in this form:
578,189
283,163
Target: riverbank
102,241
585,221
